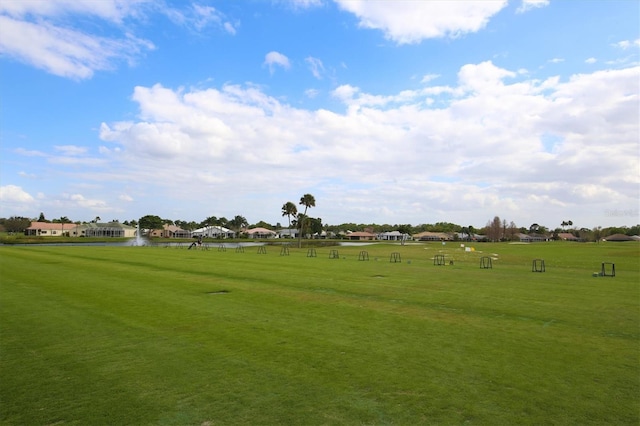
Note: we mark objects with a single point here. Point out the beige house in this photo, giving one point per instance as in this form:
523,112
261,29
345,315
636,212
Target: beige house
432,236
46,229
171,231
361,236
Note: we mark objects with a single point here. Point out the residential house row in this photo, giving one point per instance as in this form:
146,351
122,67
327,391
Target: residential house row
116,229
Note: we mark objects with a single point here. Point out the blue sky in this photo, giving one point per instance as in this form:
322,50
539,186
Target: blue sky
386,111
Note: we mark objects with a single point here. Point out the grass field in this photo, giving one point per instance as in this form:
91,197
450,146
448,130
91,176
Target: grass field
166,336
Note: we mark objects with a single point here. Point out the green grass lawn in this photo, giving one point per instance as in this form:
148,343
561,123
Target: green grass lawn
166,336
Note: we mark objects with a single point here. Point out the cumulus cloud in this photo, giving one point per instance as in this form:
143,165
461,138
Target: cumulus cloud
407,21
495,135
15,201
274,58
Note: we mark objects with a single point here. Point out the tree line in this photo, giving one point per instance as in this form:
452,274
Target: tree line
496,229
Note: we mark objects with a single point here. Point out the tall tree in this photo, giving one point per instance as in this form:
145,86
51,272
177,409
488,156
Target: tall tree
150,222
307,200
494,229
289,209
238,222
64,220
41,218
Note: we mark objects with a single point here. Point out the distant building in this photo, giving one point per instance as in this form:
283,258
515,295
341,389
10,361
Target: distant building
433,236
288,233
393,236
171,231
260,233
46,229
111,229
531,238
361,236
213,232
566,236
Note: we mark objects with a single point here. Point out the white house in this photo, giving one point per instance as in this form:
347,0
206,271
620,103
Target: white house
213,232
393,236
288,233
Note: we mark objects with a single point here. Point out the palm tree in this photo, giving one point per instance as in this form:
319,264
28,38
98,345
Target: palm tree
64,220
208,223
289,209
238,222
307,200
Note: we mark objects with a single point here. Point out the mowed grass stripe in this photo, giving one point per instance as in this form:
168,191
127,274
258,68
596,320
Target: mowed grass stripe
145,336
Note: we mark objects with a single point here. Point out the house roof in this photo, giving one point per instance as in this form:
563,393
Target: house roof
260,231
567,236
361,234
50,226
219,229
107,225
432,234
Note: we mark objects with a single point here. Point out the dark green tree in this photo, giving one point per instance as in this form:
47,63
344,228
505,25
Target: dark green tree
289,209
150,222
307,200
315,225
238,222
16,224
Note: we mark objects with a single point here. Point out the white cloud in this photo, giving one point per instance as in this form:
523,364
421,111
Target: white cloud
316,67
81,201
199,17
428,78
311,93
71,149
627,44
406,21
591,61
15,201
528,5
495,135
274,58
58,48
305,4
